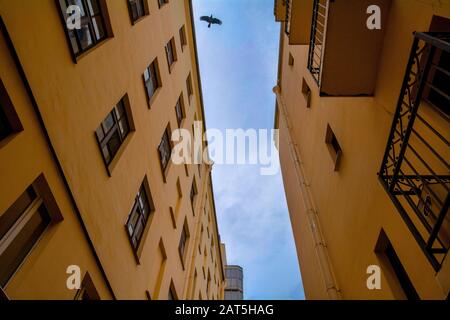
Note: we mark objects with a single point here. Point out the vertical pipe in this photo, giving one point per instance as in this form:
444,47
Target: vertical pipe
310,208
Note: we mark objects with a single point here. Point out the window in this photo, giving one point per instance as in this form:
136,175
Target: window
23,224
291,60
162,2
113,131
183,241
189,86
179,110
333,147
5,127
93,24
183,39
9,121
306,93
87,290
152,80
394,271
165,150
171,53
138,9
141,212
193,196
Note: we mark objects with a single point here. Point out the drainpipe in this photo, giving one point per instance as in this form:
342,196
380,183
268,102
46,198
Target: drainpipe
308,203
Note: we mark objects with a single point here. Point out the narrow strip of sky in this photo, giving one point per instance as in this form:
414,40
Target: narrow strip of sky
238,63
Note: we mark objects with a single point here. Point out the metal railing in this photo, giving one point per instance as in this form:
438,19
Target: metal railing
415,171
317,40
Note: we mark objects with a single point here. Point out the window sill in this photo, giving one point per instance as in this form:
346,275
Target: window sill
113,164
134,22
78,58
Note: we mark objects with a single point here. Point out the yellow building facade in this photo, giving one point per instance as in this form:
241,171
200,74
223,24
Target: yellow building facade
363,103
86,181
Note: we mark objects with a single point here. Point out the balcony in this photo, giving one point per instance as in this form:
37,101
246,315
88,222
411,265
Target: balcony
415,171
298,21
280,10
344,52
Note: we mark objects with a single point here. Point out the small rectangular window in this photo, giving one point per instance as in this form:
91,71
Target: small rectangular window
291,60
162,2
306,93
23,224
190,91
165,150
193,195
93,22
183,39
182,246
138,9
152,80
140,215
179,110
113,131
171,53
9,121
333,147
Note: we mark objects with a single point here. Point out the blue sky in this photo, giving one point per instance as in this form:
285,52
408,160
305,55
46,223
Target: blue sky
238,65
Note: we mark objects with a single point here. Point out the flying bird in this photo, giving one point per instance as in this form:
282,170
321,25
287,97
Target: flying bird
211,20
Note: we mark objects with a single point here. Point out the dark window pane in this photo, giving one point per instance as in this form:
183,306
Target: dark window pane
98,27
94,7
106,154
84,34
108,123
5,128
114,144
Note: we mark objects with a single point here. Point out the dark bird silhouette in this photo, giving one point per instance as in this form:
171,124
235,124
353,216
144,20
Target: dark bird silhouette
211,20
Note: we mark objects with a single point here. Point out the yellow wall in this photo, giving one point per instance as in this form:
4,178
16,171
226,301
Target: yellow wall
74,99
352,204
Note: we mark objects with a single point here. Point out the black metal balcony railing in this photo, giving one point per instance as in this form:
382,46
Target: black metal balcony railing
287,25
318,29
415,171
